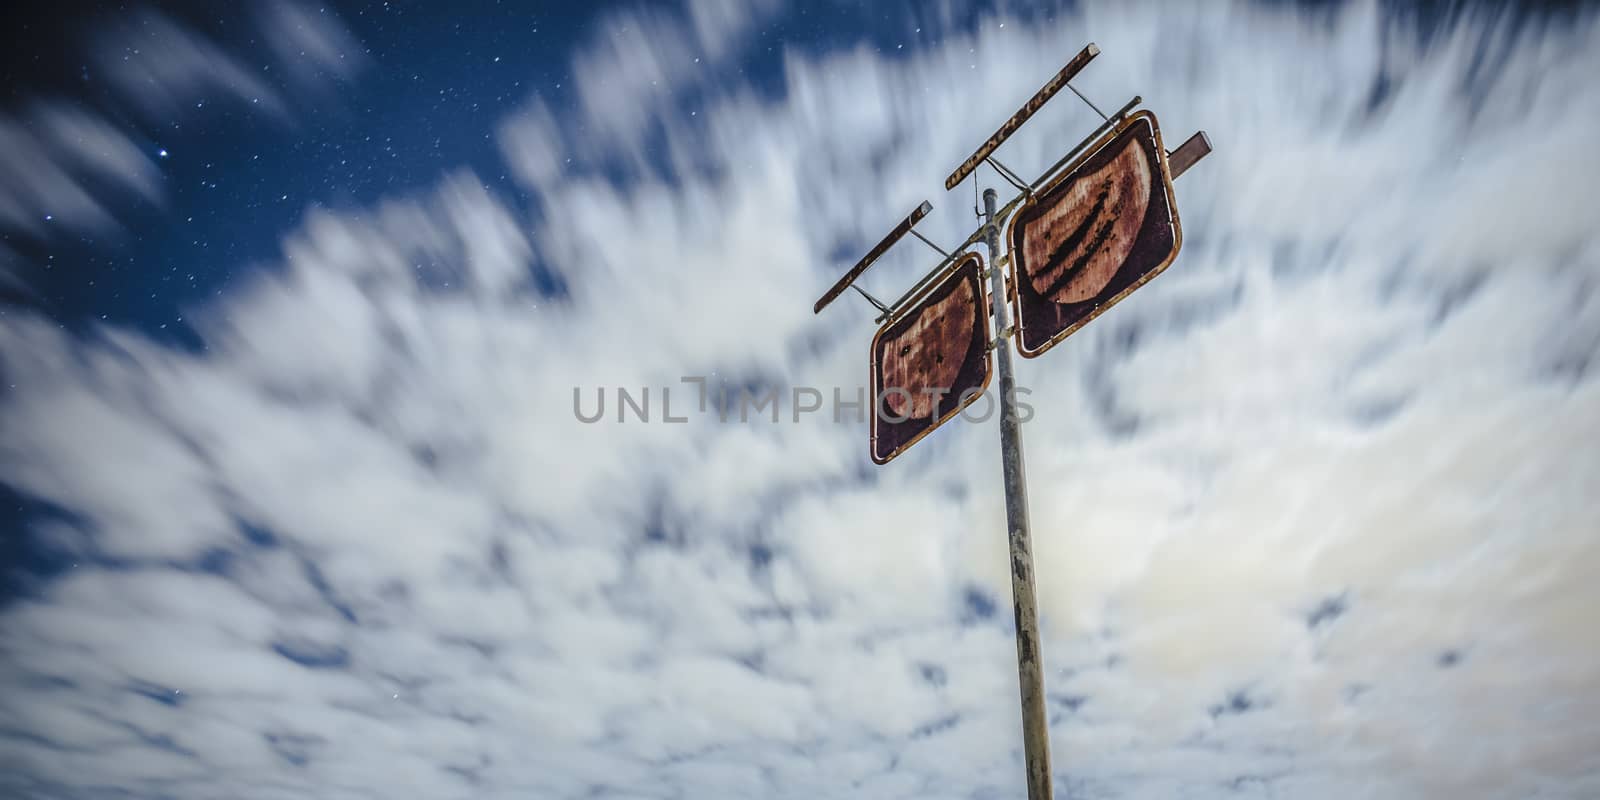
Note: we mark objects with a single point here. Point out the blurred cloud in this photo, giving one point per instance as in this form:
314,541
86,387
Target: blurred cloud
628,75
721,25
164,68
633,72
1311,510
313,47
57,164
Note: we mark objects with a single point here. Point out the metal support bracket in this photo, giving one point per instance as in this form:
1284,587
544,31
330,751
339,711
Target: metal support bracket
872,255
1047,91
929,242
1009,176
1087,102
1187,154
873,300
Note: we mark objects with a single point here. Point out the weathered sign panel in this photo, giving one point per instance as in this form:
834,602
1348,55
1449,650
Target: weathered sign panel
931,361
1099,231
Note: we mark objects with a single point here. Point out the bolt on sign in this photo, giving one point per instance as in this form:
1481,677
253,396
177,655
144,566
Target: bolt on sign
1096,233
931,361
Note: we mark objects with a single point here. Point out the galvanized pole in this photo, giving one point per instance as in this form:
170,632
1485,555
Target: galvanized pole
1030,673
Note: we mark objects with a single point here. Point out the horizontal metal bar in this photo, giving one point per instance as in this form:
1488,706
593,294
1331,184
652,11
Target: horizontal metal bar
1195,148
1010,126
872,255
1087,140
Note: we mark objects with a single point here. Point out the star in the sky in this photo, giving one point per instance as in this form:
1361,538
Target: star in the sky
162,152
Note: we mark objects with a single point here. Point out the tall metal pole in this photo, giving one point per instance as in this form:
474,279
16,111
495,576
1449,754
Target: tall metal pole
1030,673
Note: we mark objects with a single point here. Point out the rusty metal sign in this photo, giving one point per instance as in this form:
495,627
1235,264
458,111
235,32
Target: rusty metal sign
931,361
1099,231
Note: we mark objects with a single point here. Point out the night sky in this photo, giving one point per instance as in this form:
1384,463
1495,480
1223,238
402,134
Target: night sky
416,93
410,98
411,95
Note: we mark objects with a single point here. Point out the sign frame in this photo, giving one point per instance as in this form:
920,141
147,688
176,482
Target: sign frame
958,270
1014,266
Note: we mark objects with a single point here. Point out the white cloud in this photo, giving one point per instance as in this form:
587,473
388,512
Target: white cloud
51,160
1310,510
313,46
163,68
721,25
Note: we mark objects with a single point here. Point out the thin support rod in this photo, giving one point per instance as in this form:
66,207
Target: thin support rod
873,300
928,242
1088,102
1005,172
1030,671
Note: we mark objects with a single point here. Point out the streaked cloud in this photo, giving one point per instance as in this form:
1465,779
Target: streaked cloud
58,163
311,45
164,68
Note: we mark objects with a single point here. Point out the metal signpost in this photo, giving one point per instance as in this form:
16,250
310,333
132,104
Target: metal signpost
1095,226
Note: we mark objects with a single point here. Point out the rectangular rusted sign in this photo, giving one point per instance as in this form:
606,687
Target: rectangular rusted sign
1099,231
931,361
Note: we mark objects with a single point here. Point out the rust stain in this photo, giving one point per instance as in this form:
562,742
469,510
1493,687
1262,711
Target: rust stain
1074,249
928,353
